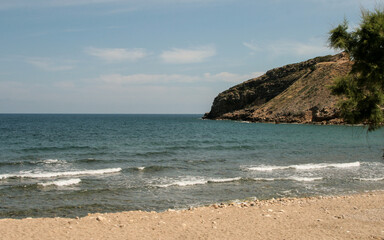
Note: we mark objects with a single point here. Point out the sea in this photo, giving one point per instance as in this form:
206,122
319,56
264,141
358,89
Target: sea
68,165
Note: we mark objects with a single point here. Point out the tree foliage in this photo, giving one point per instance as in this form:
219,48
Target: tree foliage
363,88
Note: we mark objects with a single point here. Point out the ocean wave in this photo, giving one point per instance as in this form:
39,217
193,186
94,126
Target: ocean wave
265,179
310,166
46,161
183,183
370,179
223,180
154,168
200,181
64,148
293,178
52,161
62,183
154,153
58,174
305,179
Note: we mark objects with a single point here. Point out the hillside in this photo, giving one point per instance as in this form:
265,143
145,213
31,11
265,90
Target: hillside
295,93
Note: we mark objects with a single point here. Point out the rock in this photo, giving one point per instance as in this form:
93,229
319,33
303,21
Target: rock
100,218
244,205
295,93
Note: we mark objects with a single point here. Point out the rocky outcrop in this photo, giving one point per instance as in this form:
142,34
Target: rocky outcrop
295,93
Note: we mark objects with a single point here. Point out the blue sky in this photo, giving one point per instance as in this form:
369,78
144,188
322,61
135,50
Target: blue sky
152,56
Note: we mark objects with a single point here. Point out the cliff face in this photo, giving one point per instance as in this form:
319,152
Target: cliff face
293,93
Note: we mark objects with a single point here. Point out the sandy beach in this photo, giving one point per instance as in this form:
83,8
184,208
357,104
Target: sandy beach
359,216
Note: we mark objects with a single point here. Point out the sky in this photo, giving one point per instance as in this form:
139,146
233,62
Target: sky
153,56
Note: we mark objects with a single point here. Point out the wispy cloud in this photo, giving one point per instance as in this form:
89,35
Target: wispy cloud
253,46
277,48
117,54
230,77
146,78
191,55
50,65
155,79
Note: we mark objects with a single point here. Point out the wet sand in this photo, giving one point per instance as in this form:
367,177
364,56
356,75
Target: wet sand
359,216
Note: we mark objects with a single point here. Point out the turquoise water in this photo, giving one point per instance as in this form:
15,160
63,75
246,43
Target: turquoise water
70,165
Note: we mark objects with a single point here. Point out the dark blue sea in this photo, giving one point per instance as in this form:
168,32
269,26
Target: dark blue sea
71,165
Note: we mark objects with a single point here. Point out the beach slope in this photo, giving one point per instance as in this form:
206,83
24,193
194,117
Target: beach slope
359,216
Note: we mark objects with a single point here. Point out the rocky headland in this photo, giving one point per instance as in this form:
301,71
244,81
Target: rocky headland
295,93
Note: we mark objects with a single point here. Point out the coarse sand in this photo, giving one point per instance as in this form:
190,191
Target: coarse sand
359,216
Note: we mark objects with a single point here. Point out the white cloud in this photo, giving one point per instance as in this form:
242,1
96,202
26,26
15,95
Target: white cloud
47,64
277,48
117,54
230,77
252,46
146,78
154,79
192,55
298,48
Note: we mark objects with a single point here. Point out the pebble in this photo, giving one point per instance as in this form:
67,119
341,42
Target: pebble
100,218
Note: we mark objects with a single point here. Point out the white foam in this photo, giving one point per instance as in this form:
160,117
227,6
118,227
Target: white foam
264,168
222,180
326,165
371,179
185,182
61,183
310,166
5,176
52,161
266,179
305,179
140,168
58,174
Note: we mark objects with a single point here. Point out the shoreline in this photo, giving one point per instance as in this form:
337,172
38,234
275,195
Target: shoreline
355,216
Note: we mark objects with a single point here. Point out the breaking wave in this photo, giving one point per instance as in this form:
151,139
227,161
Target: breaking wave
62,183
310,166
58,174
